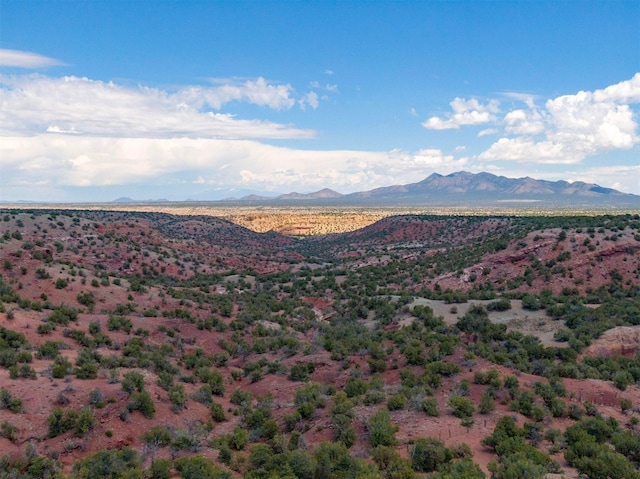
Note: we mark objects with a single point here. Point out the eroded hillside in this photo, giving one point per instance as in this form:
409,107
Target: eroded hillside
418,346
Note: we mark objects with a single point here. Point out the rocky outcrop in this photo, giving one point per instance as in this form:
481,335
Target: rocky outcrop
624,340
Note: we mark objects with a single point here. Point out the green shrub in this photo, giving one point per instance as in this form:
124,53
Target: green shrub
8,431
198,467
487,404
156,437
241,398
374,397
84,423
501,305
160,469
87,299
355,387
238,439
396,402
430,407
382,432
557,407
116,323
61,421
217,412
48,350
178,397
301,372
462,407
427,454
142,402
7,401
45,328
63,315
61,367
132,381
202,395
108,464
306,410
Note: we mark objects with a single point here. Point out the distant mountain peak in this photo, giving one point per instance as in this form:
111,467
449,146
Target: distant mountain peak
474,189
324,193
253,197
463,187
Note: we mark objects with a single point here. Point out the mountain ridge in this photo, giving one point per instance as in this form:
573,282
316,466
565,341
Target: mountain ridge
463,187
465,182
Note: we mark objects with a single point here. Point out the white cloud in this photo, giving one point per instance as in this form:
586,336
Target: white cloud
523,122
57,129
526,98
28,60
465,112
527,150
571,128
434,160
34,104
488,131
331,88
625,178
62,133
257,92
566,130
349,171
60,161
597,122
311,99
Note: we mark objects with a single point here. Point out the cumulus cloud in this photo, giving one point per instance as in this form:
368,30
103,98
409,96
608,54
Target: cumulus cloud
465,112
570,128
59,161
564,130
528,150
311,99
257,92
34,104
78,132
27,60
522,122
71,132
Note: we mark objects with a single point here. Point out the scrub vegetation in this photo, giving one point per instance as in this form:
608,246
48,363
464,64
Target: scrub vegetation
141,344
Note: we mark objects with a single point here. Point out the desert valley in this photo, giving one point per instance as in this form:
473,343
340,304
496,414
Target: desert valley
148,344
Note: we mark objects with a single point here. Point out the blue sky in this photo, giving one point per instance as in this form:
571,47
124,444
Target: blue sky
204,99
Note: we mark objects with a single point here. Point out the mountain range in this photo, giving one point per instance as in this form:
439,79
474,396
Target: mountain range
464,188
